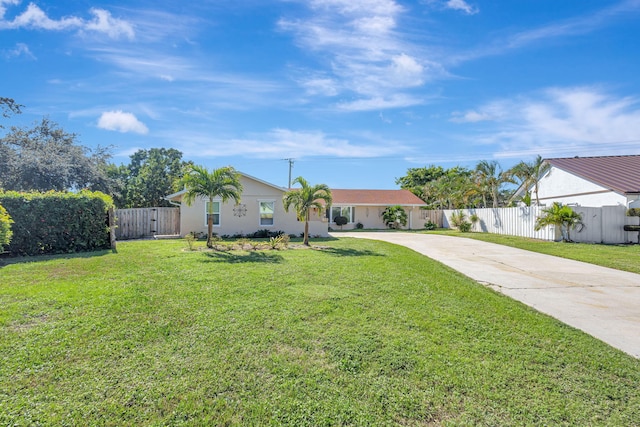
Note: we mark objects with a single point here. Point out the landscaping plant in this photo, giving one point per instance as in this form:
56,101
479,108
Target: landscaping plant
561,216
394,217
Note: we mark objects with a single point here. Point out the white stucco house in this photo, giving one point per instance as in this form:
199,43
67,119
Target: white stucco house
366,207
589,181
261,208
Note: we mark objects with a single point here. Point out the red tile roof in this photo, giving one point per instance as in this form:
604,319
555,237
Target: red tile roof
618,173
375,197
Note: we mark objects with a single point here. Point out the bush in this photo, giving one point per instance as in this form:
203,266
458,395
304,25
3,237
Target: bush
359,225
57,222
429,225
394,217
340,221
5,228
459,220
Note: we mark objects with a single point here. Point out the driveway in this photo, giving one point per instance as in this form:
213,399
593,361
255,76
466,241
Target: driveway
602,302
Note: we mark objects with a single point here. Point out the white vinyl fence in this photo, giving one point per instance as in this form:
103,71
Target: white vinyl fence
600,224
147,222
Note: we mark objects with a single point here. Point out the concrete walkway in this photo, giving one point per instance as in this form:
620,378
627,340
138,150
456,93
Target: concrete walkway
602,302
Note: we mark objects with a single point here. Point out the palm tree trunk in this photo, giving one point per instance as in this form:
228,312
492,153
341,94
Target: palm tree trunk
210,224
306,230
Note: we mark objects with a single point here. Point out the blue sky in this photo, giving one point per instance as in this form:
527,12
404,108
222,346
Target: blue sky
356,92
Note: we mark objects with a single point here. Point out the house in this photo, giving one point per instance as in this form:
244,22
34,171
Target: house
589,181
260,208
366,207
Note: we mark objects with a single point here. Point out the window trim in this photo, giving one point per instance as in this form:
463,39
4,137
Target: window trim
219,202
351,217
273,218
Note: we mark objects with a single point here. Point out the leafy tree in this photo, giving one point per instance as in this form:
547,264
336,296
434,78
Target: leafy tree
530,174
340,220
150,176
305,199
453,190
394,217
416,179
561,216
46,157
8,107
223,182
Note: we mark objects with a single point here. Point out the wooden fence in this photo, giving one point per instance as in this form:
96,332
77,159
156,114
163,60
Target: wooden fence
141,223
600,224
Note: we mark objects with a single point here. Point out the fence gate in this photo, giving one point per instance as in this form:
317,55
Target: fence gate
139,223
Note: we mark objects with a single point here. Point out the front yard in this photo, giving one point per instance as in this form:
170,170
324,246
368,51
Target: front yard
357,333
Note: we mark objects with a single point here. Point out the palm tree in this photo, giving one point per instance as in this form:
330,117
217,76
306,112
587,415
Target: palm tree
489,178
562,216
305,199
223,182
530,174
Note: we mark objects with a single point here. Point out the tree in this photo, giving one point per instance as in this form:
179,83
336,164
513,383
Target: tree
150,176
530,174
223,182
46,157
416,179
8,107
305,199
561,216
489,178
394,217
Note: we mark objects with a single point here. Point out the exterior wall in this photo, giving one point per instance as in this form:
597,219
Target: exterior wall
371,218
244,218
566,188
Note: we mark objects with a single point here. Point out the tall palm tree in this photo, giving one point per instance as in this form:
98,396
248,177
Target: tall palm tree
530,174
305,199
489,178
223,182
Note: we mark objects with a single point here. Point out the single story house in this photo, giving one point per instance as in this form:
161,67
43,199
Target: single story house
589,181
261,208
366,207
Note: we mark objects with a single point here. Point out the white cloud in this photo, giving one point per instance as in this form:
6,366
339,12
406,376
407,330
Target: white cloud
121,122
581,119
281,143
461,5
21,49
363,52
36,18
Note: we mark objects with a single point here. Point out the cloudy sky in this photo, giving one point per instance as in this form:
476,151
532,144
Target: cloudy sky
355,91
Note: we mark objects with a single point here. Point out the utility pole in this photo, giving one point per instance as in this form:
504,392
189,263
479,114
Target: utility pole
290,160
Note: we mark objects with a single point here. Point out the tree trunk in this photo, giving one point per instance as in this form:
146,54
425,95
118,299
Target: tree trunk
306,230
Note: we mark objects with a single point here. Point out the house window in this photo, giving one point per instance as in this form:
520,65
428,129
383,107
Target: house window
345,211
266,213
215,213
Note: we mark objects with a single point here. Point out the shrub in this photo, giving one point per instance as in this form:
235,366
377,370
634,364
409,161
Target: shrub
633,212
340,221
5,228
359,225
394,217
190,238
459,220
57,222
430,225
261,234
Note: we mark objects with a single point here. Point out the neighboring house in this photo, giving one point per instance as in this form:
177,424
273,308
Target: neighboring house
366,207
260,208
589,181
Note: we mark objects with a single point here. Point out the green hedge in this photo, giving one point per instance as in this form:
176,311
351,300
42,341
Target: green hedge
5,228
55,222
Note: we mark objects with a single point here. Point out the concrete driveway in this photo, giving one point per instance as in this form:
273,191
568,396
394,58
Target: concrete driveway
602,302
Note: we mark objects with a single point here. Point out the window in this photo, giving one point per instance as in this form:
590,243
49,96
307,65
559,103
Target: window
345,211
215,214
266,213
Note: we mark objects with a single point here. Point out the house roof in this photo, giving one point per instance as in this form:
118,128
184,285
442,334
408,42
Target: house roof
375,197
181,192
618,173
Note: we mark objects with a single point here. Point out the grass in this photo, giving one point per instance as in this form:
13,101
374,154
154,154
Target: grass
620,257
358,333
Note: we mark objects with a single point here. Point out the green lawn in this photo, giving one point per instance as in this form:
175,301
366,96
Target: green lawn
620,257
358,333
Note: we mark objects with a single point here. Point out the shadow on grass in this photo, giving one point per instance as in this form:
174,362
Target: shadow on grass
8,260
248,257
349,252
